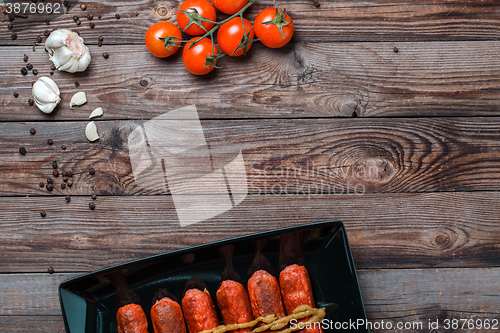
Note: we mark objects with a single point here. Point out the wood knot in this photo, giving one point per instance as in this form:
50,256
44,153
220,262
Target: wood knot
348,108
441,239
374,170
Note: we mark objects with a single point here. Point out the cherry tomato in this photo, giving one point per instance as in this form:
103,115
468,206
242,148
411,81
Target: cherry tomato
194,58
156,46
229,6
204,9
230,36
269,34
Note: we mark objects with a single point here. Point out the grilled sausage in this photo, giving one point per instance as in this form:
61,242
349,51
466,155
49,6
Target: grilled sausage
296,290
199,311
265,296
166,316
131,319
234,304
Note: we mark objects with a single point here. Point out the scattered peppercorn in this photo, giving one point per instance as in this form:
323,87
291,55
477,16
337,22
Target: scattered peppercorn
50,187
55,173
13,36
16,94
70,183
63,186
77,84
43,213
99,16
92,206
93,196
46,33
53,67
25,58
83,6
78,22
395,49
22,151
90,16
39,39
92,25
75,18
35,72
64,174
100,38
317,4
99,43
63,147
54,164
34,48
50,142
24,71
65,178
29,67
66,3
117,16
91,171
41,184
143,83
50,181
51,73
47,22
69,174
32,131
105,55
67,198
31,102
9,26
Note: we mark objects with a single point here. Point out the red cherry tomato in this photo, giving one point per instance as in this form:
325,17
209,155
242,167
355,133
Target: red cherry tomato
230,34
204,9
157,46
194,58
269,34
229,6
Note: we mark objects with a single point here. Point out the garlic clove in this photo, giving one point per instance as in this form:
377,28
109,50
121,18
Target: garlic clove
56,39
91,132
78,99
96,113
46,94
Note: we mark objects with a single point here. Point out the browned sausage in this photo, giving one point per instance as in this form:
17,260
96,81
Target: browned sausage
265,296
296,290
131,319
234,304
199,311
166,316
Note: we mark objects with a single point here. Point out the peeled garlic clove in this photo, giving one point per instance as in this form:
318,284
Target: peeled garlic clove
46,94
96,113
78,99
67,51
91,132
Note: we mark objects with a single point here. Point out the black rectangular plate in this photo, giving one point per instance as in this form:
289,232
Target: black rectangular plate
88,302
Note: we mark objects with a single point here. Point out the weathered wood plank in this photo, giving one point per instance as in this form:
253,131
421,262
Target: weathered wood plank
395,296
333,21
32,324
385,231
280,156
301,80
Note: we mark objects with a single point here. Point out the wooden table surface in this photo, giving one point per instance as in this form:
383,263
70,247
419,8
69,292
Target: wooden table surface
418,130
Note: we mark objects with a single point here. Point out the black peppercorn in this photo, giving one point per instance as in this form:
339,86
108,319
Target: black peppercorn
63,147
66,3
43,213
99,43
77,84
100,38
29,67
78,22
395,49
91,171
90,16
92,25
99,16
53,67
105,55
54,164
50,181
22,151
13,36
93,196
143,83
24,71
92,205
55,173
32,131
41,184
117,16
39,39
9,26
70,174
50,270
25,58
35,72
51,73
83,6
75,18
46,33
67,198
31,102
65,178
50,142
16,94
63,186
70,183
317,4
50,187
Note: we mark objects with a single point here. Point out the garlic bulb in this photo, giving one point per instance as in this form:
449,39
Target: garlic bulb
91,132
67,51
78,99
46,94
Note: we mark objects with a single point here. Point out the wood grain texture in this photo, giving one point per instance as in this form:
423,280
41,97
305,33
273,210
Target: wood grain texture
280,156
394,296
385,231
358,20
33,324
300,80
